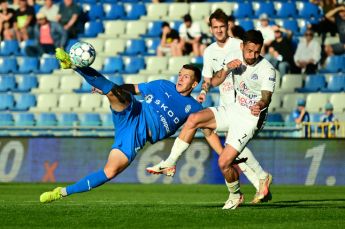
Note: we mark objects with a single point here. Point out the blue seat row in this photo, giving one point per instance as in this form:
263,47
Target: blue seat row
27,65
21,102
22,83
317,83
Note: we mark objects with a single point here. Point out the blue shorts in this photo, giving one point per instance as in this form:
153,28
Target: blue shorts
130,129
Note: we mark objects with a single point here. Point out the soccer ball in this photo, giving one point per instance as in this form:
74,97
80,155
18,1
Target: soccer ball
82,54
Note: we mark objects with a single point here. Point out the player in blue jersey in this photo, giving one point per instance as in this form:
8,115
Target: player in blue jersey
166,107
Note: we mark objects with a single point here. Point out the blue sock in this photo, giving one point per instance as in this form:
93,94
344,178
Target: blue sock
96,79
92,180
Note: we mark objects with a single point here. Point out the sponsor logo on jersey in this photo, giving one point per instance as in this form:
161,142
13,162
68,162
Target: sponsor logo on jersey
254,77
188,108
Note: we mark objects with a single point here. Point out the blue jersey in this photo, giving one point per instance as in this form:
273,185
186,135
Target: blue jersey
165,108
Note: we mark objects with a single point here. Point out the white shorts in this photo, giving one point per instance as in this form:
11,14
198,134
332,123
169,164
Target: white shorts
240,125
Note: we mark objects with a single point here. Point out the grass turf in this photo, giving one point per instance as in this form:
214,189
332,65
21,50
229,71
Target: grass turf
171,206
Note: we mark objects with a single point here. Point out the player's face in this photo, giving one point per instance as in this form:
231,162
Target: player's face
186,81
219,30
251,52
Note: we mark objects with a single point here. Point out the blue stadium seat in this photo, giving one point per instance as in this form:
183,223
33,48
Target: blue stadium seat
286,10
46,119
107,120
90,119
264,8
24,119
84,88
336,83
69,44
133,64
313,83
28,65
7,83
117,79
6,119
308,10
114,11
24,44
25,83
154,29
48,65
243,10
135,11
68,119
291,24
134,47
151,46
334,64
8,65
6,102
94,11
9,47
92,29
245,24
175,24
24,102
199,60
208,101
112,65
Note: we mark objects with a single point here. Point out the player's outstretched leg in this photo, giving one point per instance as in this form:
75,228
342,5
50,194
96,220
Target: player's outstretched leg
162,168
64,59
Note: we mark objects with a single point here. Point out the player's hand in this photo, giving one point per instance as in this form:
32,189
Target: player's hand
255,110
234,64
201,98
96,90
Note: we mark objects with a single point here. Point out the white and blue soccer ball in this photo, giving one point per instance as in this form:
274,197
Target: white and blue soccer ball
82,54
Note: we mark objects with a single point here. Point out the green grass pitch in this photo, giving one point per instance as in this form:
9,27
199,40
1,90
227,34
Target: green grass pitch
171,206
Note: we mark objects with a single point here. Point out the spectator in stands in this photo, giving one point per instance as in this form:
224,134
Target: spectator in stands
49,35
337,15
24,21
190,36
280,52
30,2
267,31
70,17
6,21
301,115
308,53
49,9
330,122
170,39
234,30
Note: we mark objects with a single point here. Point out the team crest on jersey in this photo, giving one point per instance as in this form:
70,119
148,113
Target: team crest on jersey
254,77
148,98
187,108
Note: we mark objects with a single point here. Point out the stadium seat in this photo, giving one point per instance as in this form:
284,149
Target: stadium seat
105,106
155,65
134,78
336,83
89,119
197,60
245,24
153,29
337,100
89,103
98,43
8,65
107,119
114,11
67,102
24,102
264,8
28,65
25,83
208,101
68,84
70,43
177,10
175,24
158,77
68,119
46,119
24,119
134,29
290,101
92,29
133,64
275,104
113,65
200,11
275,118
175,64
227,7
308,10
9,47
134,47
117,79
334,64
316,102
242,10
6,119
24,44
98,63
313,83
156,11
113,47
48,65
45,102
6,102
47,84
94,11
84,88
286,9
134,11
290,24
7,83
151,46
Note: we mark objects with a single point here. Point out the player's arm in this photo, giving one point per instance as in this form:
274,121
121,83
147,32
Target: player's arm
206,83
220,75
262,104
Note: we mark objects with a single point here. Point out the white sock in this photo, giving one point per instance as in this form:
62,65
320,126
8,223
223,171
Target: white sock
251,176
253,163
233,187
63,192
176,151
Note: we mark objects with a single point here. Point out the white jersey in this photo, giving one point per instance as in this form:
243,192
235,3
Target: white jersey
190,33
214,56
250,80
